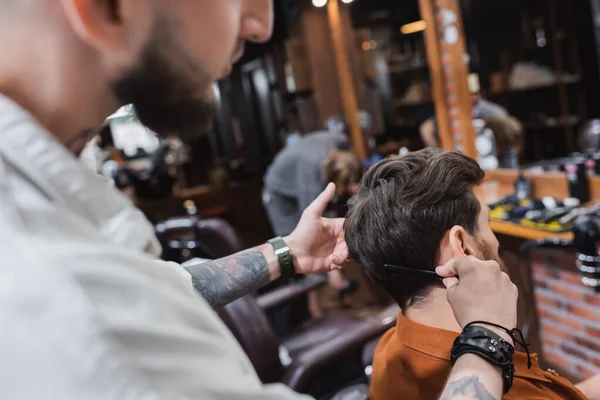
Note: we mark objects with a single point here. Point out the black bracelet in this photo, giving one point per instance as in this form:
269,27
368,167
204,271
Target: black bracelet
510,332
486,344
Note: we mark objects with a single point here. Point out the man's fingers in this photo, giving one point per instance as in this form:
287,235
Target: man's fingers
460,266
336,279
447,270
450,282
317,207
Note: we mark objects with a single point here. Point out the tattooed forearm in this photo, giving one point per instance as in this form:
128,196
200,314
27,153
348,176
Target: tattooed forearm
227,279
467,388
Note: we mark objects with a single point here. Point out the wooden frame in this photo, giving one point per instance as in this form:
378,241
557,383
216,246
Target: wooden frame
347,88
448,64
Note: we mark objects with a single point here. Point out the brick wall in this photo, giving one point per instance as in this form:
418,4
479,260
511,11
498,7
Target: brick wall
569,315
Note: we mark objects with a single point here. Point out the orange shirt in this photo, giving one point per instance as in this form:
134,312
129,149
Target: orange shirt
412,361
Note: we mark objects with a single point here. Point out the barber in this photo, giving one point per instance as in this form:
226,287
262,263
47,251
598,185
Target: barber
478,291
86,311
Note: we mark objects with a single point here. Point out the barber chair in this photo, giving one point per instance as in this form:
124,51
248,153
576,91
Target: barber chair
178,239
389,316
328,348
184,238
153,181
355,392
368,355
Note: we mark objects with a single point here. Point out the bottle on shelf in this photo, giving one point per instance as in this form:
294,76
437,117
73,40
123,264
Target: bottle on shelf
578,179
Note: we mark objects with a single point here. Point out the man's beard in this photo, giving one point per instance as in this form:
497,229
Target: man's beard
168,90
487,254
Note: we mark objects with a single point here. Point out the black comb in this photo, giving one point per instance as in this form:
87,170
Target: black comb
397,269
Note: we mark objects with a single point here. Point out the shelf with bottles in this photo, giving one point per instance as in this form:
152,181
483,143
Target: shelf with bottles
553,123
567,79
407,55
532,61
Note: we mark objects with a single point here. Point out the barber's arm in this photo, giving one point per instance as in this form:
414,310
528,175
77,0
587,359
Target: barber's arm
481,293
473,378
317,245
590,387
148,337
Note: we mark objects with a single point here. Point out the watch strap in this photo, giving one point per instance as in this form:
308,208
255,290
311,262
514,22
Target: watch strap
285,258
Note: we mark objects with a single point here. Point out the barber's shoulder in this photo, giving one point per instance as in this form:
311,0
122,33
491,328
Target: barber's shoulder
131,283
95,264
114,263
132,306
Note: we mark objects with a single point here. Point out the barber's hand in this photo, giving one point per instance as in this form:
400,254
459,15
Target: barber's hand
336,280
482,292
318,243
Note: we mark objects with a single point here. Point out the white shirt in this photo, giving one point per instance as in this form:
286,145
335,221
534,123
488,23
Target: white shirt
86,311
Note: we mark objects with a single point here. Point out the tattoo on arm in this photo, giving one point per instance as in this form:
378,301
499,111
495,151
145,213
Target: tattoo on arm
468,387
222,281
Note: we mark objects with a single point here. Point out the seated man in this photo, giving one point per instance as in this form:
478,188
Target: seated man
420,211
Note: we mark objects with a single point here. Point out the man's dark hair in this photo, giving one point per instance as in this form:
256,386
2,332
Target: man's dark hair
403,208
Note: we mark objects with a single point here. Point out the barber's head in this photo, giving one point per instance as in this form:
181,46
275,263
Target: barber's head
419,211
343,168
161,55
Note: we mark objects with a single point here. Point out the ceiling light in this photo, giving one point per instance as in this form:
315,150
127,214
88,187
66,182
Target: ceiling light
347,1
413,27
319,3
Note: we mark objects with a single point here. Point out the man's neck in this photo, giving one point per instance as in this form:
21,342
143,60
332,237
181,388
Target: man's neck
435,312
69,128
60,87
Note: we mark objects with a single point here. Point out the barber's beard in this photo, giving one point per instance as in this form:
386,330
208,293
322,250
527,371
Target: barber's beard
170,92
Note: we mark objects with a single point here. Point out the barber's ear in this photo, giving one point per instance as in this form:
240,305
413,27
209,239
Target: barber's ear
109,24
461,242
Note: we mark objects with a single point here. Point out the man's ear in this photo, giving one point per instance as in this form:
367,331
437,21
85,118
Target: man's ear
110,24
461,243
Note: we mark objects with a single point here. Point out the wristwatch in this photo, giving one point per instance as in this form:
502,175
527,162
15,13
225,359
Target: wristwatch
285,258
488,345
